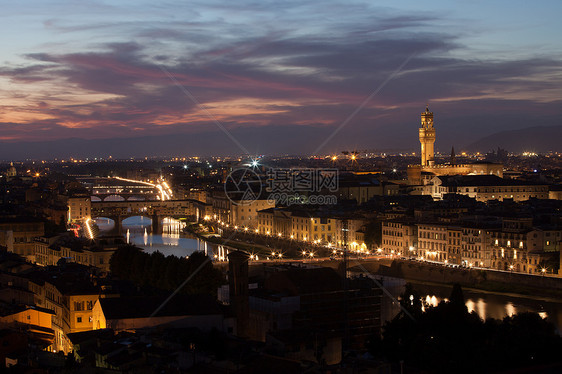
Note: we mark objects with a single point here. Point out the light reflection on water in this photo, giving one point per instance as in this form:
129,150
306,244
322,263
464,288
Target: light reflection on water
171,242
500,306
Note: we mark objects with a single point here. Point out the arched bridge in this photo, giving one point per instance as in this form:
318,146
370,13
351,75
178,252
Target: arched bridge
154,209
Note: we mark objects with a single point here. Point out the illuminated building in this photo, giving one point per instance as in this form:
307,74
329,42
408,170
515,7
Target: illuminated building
427,169
399,236
427,138
245,213
483,188
17,234
79,208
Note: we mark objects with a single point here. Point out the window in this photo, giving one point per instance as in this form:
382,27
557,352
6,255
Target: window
79,319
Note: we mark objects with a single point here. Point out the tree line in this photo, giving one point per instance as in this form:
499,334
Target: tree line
158,272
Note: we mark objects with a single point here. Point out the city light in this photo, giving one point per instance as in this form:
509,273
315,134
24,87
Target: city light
89,229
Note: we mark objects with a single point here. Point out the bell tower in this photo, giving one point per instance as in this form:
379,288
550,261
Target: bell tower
427,138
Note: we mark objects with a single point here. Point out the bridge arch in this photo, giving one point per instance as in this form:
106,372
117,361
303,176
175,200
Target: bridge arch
114,197
136,198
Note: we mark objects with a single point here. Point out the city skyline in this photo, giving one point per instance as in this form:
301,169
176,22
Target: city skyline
287,74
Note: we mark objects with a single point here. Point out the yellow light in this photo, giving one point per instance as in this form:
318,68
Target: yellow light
334,158
90,233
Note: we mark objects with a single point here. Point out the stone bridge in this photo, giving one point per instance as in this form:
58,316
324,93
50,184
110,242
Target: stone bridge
153,209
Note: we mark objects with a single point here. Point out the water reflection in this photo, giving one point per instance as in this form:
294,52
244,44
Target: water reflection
171,242
481,308
510,309
488,308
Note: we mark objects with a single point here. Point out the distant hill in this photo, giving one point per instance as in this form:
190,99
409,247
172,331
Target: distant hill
535,139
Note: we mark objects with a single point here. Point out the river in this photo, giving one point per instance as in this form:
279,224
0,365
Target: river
496,305
171,242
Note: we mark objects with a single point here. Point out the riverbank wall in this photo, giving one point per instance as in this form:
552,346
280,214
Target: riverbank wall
475,278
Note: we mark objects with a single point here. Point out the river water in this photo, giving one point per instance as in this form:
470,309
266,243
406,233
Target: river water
137,231
496,305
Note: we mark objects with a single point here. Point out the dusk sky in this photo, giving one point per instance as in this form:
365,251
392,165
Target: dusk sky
96,70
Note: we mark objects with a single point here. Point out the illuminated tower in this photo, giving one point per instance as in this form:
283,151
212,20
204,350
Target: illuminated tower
427,137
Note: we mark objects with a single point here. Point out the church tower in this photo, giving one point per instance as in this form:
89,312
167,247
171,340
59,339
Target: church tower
427,137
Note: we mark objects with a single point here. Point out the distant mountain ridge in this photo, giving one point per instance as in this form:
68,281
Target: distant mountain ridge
539,139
